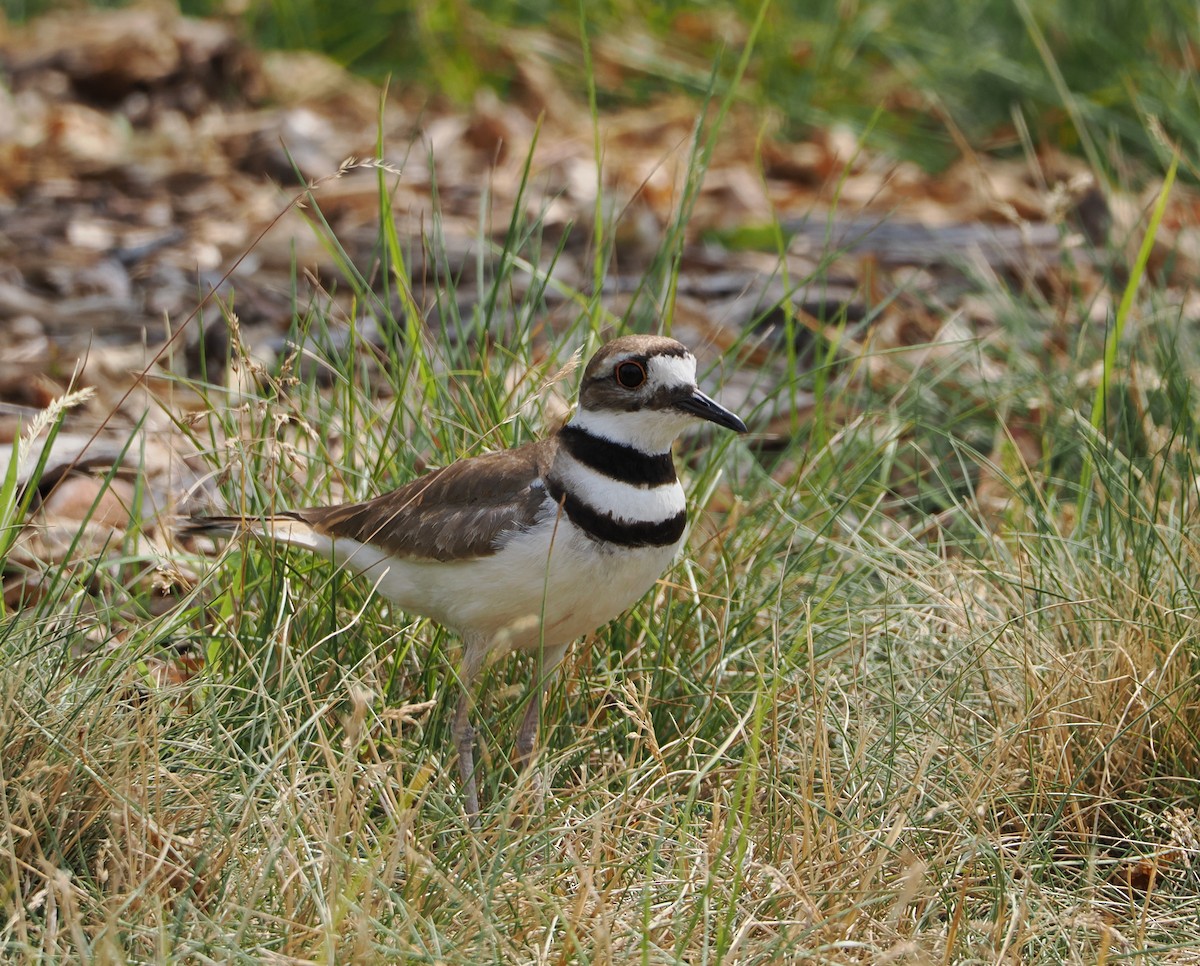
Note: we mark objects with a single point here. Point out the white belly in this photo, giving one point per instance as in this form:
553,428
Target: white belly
561,581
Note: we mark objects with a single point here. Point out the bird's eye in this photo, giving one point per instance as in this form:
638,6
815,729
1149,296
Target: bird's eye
630,375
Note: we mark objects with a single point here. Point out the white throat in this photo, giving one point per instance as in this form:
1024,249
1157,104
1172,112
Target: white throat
650,431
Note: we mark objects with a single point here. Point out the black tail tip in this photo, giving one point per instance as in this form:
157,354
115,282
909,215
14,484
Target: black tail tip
200,525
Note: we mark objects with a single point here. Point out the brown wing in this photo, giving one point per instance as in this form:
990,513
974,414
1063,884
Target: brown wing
450,514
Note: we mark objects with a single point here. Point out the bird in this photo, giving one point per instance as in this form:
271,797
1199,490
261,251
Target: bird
532,547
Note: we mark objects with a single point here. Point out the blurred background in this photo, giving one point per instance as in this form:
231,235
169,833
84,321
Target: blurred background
919,75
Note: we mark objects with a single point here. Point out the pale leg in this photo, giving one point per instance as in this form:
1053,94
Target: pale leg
464,741
474,652
528,732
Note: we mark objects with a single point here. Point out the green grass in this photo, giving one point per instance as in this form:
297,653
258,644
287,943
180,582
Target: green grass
1077,74
921,688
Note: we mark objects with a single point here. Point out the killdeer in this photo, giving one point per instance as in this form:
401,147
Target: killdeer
528,548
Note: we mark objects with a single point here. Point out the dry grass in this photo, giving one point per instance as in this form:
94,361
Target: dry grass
933,757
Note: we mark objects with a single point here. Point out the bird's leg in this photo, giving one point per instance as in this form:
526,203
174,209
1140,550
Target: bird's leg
464,741
532,781
527,733
474,652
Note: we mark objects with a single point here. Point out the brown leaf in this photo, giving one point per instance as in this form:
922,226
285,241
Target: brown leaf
1142,873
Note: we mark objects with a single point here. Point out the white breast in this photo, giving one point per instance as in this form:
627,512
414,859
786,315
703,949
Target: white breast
624,501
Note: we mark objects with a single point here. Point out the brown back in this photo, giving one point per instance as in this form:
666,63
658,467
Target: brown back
453,513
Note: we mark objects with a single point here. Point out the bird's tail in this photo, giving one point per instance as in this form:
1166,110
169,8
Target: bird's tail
286,527
201,525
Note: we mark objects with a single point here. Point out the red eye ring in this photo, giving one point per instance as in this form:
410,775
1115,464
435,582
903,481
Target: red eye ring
629,374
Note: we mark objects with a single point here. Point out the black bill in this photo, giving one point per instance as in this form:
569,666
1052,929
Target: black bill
701,405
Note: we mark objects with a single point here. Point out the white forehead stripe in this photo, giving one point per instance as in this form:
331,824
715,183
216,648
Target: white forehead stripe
672,370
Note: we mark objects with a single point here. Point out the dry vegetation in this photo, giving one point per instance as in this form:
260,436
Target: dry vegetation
922,688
